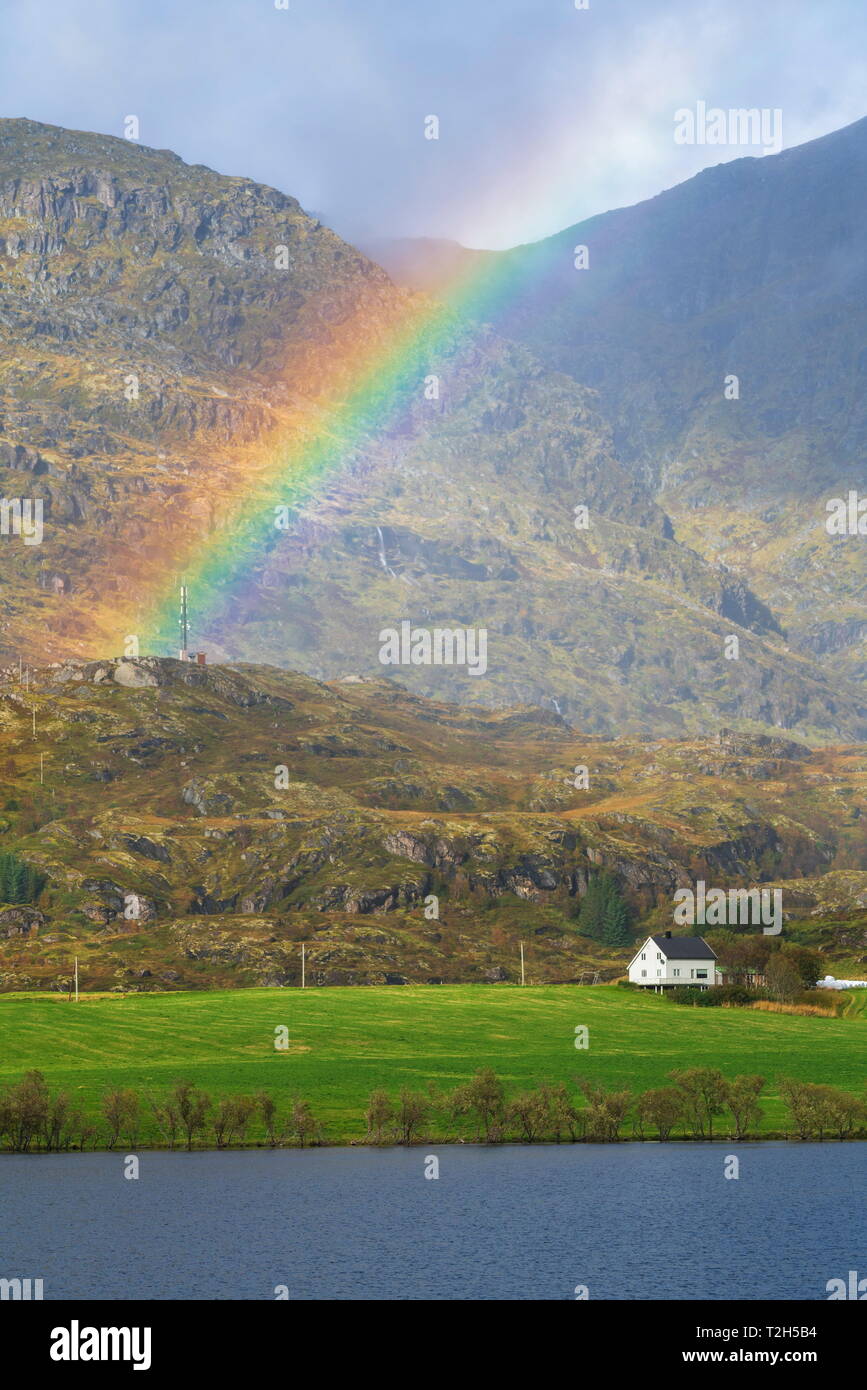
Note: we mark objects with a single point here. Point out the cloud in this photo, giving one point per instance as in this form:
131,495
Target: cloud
548,114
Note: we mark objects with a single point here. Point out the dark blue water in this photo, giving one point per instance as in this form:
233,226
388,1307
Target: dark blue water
631,1221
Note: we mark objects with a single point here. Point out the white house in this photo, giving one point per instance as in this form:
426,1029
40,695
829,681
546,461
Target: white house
666,961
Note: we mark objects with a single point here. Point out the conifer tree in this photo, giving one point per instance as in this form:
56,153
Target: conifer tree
19,881
604,915
615,926
591,915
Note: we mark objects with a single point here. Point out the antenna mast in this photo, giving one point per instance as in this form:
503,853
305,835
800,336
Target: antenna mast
184,625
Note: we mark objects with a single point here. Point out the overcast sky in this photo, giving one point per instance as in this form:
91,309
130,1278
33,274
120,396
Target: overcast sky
547,114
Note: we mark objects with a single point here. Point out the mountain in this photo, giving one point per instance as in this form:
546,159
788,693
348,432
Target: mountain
194,824
168,332
758,269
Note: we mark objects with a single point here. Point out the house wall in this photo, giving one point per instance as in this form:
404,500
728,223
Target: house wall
669,972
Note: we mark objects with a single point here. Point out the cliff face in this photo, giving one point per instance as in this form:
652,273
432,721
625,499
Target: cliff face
109,242
167,331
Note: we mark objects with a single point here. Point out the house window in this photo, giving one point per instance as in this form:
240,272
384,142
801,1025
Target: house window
659,955
658,973
644,972
701,974
643,956
675,972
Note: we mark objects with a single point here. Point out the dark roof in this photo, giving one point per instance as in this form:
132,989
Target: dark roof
684,947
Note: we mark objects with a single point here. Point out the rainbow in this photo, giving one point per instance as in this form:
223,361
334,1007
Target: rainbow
371,385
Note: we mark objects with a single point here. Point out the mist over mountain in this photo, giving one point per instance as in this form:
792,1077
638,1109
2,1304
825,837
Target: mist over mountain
754,270
425,263
600,389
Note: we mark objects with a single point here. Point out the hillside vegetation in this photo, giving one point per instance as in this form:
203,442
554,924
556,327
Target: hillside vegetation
194,825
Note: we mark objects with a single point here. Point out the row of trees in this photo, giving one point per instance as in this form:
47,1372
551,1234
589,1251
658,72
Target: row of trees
700,1102
32,1118
696,1101
189,1113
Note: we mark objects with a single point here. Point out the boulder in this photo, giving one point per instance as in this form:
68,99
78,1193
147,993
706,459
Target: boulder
130,673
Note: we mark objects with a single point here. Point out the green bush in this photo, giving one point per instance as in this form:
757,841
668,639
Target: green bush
737,994
714,997
682,994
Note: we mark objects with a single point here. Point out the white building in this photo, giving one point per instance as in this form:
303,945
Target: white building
830,983
666,961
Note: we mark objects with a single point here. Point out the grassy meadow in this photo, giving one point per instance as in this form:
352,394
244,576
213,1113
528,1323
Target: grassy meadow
345,1042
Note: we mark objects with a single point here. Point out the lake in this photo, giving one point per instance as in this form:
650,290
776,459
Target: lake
628,1221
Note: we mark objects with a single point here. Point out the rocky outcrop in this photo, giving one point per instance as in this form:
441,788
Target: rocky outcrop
20,921
206,799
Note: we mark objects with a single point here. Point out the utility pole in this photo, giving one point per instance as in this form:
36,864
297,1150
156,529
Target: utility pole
76,979
34,721
41,769
303,966
522,962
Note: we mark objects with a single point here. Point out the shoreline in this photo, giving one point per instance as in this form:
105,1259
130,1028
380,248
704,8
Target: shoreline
774,1137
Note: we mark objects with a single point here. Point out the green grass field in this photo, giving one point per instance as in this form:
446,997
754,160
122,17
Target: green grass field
344,1042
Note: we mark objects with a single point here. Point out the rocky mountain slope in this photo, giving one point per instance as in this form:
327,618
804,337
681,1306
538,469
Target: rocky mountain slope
122,265
195,824
755,270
